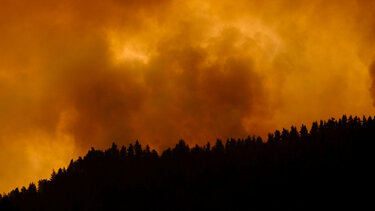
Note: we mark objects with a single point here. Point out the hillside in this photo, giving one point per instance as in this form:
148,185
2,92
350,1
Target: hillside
294,169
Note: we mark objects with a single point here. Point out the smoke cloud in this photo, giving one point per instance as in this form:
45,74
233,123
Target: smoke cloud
76,74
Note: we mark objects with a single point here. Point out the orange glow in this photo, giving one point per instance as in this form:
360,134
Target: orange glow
76,74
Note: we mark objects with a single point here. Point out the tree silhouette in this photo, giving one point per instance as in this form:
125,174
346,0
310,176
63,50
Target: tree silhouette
291,170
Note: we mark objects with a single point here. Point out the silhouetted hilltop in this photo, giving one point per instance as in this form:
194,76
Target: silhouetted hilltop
294,169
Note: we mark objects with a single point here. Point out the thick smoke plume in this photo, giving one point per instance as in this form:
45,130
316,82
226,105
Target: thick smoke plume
76,74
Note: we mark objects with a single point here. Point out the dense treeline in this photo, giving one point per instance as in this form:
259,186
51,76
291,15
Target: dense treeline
295,168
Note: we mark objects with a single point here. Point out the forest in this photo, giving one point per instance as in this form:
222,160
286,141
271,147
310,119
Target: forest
294,169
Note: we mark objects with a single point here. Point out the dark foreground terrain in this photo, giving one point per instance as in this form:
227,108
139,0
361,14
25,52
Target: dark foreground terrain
295,169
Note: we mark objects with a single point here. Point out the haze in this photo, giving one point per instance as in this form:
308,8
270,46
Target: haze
76,74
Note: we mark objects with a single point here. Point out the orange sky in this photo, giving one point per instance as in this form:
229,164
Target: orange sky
76,74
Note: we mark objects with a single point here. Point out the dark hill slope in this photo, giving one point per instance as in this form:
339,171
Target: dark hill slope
295,169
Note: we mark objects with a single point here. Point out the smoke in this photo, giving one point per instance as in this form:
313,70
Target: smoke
76,74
